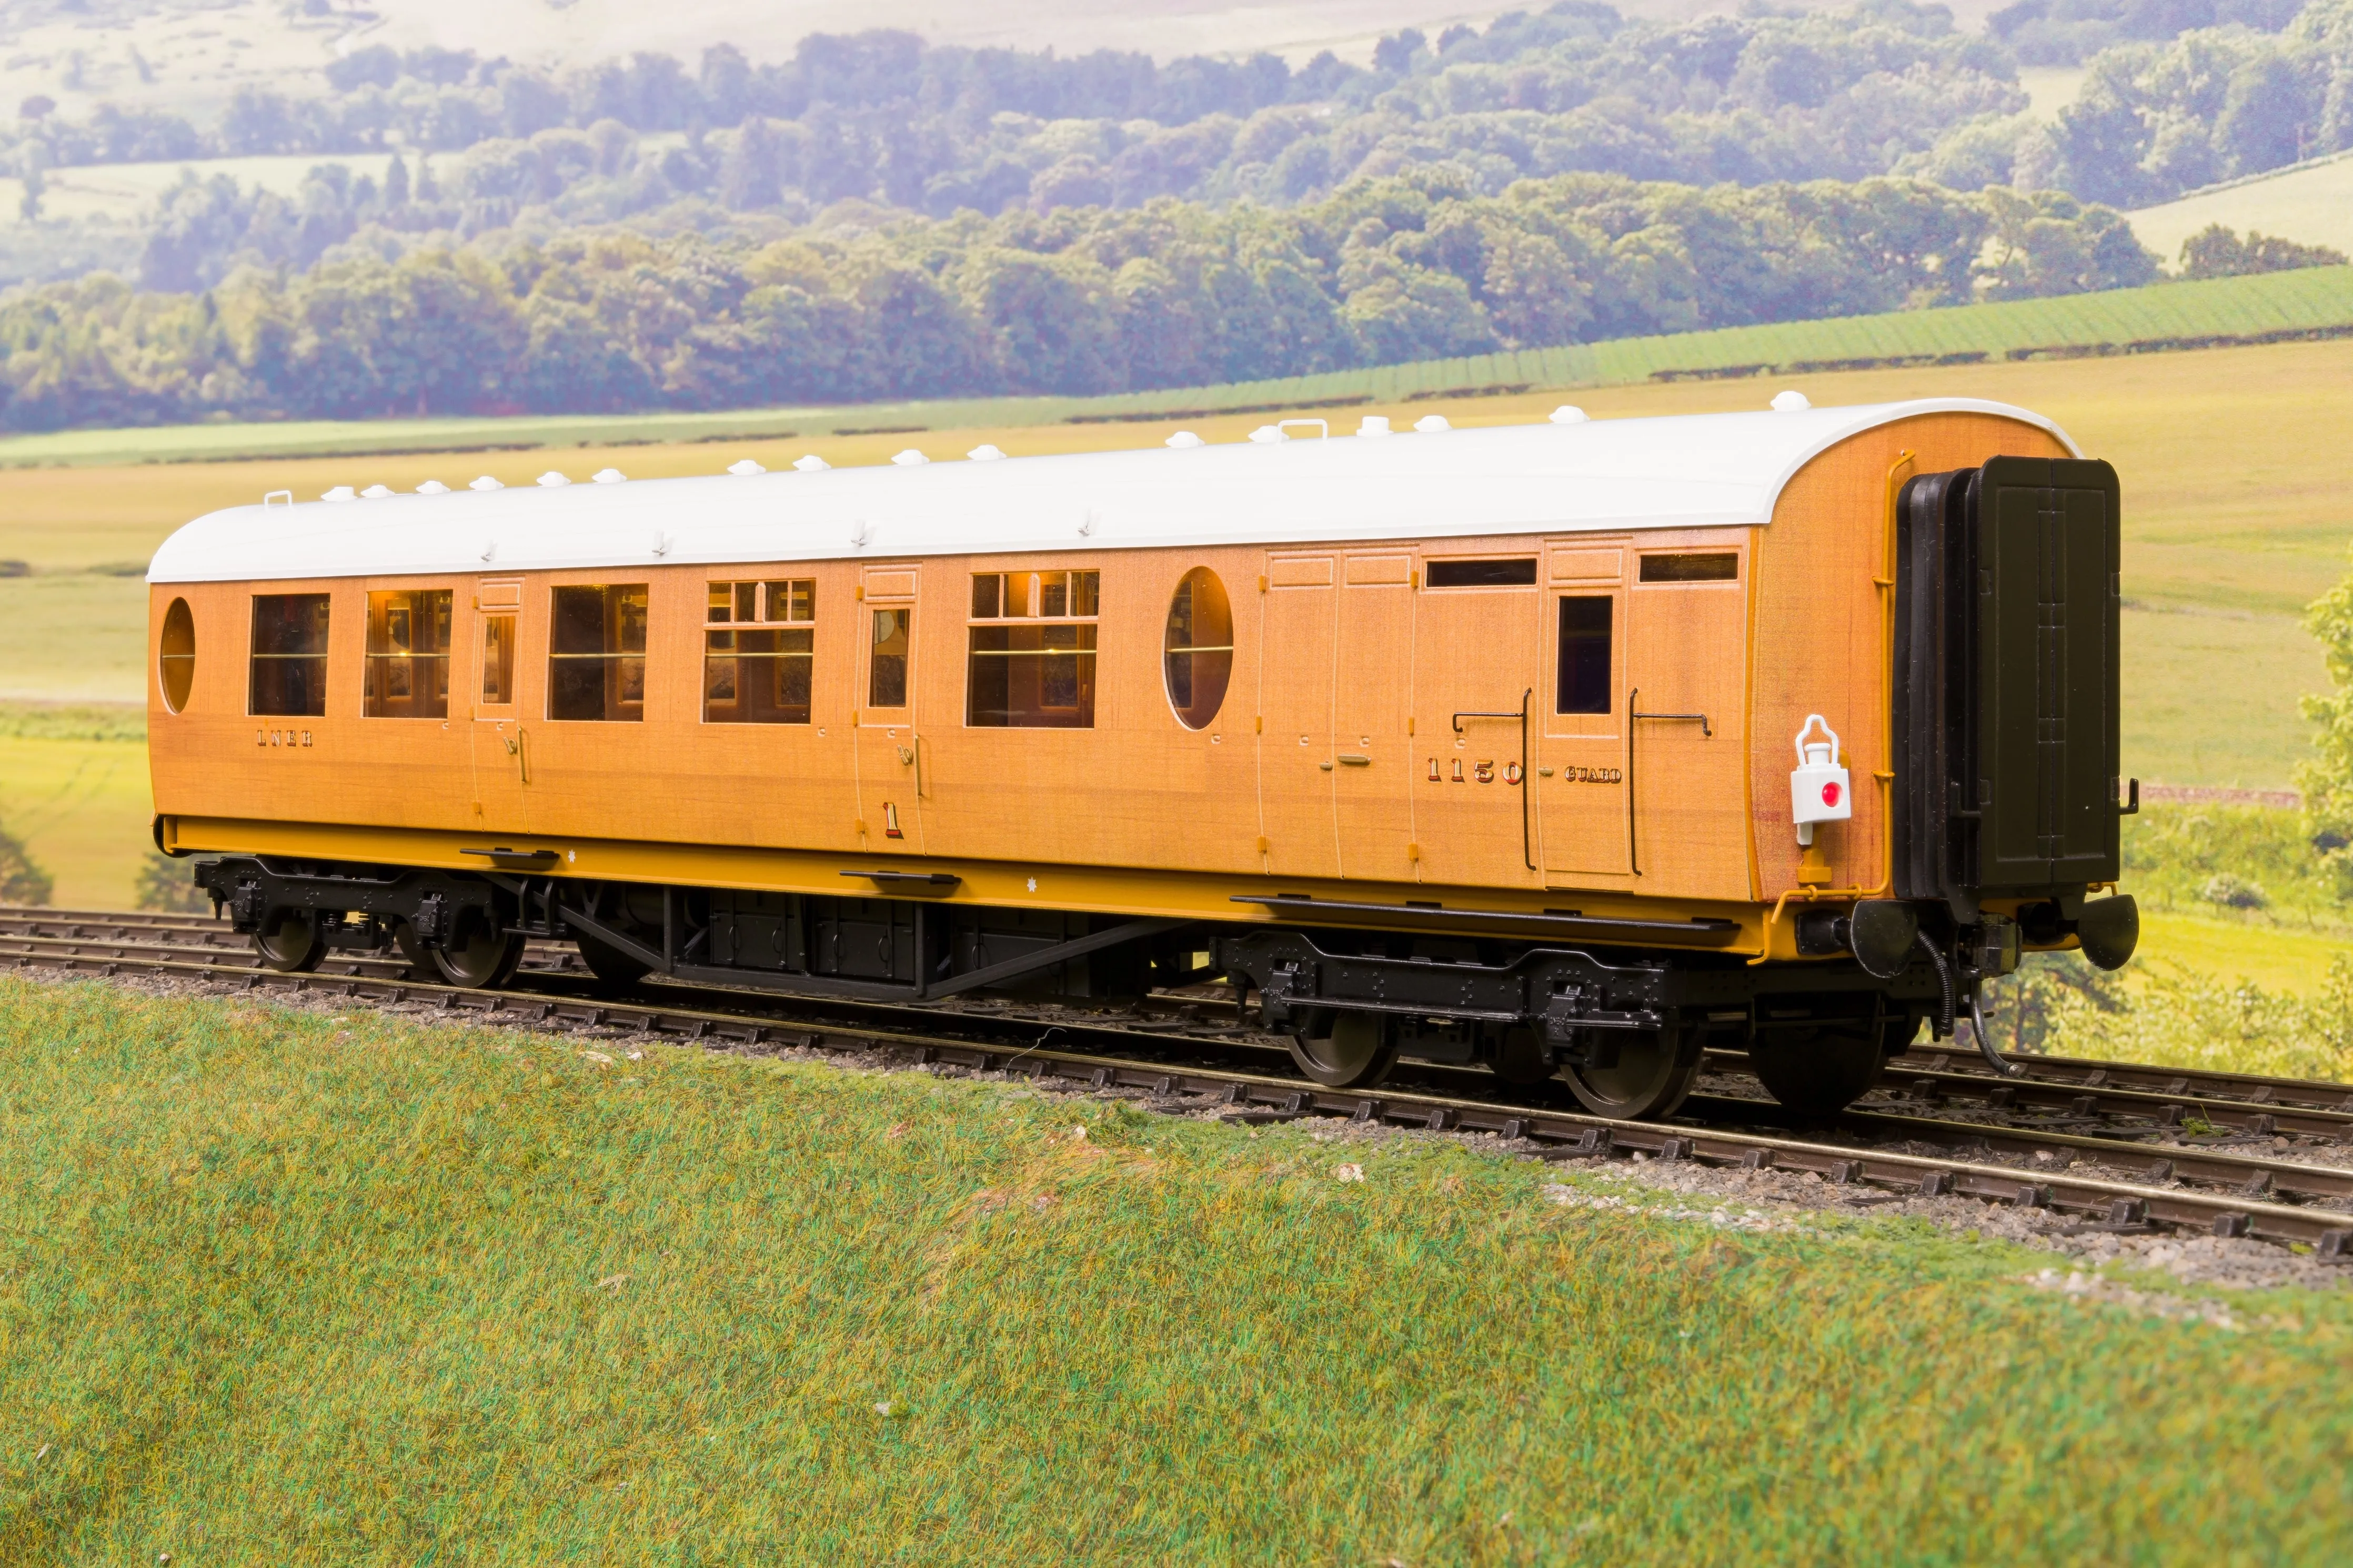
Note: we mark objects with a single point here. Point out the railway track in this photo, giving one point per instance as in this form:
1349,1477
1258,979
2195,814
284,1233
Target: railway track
2090,1157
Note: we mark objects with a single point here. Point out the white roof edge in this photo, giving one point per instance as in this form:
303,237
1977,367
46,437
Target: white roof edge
1697,470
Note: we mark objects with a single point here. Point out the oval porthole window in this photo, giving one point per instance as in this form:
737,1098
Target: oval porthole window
1199,649
176,660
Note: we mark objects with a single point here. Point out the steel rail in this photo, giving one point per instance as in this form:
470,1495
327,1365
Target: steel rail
2086,1073
2125,1206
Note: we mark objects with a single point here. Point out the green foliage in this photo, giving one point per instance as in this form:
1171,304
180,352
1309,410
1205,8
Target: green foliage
2327,778
2177,1015
2257,860
312,1288
1079,300
163,884
22,880
2215,251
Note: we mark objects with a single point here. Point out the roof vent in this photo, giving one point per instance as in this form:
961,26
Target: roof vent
340,492
744,468
486,483
1373,425
1269,434
910,458
610,476
433,488
812,464
1184,440
1431,424
1790,402
984,453
491,546
1569,414
552,478
375,492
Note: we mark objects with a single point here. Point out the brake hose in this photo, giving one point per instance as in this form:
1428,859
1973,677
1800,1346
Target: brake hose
1985,1041
1944,981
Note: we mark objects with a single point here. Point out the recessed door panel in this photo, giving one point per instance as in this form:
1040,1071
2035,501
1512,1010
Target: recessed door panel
1687,752
1581,776
1371,753
1299,613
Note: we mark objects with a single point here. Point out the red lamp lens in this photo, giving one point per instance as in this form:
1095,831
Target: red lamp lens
1830,794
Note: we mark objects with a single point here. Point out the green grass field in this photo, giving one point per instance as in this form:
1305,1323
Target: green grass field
2312,205
295,1288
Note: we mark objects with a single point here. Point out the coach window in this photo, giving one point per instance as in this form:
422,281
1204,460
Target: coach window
1583,686
175,660
1510,571
596,652
758,648
290,655
1709,566
408,653
1033,650
1198,648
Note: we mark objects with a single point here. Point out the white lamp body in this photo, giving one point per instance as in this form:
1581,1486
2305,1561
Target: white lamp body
1820,789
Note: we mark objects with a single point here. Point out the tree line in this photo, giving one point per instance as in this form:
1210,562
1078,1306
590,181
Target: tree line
1072,301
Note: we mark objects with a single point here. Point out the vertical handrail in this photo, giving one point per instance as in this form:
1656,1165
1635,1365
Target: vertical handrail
1633,844
1527,786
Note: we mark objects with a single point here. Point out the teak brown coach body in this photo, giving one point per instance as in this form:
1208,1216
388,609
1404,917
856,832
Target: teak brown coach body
1498,777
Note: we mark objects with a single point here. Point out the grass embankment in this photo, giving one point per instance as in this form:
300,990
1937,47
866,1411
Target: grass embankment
307,1290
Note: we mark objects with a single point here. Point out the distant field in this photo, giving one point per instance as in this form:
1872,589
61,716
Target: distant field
2312,205
2318,300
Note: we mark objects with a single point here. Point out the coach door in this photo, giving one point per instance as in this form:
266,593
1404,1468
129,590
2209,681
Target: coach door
1299,620
1580,780
501,741
1371,753
891,780
1474,719
1686,755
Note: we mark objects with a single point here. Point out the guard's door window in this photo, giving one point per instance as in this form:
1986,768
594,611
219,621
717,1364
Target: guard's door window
1583,683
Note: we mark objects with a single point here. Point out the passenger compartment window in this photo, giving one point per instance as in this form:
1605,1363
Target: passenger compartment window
596,652
290,655
758,650
408,653
1713,566
1518,572
1033,650
1198,648
1583,684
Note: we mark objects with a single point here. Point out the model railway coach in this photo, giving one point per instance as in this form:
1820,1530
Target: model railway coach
1566,748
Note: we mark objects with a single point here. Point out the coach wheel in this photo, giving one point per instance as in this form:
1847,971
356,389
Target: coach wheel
1653,1072
1343,1050
481,960
404,941
1822,1072
289,939
609,964
1519,1058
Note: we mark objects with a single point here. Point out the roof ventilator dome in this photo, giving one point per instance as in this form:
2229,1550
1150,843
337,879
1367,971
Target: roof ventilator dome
1431,424
1184,440
433,488
1790,402
812,464
1269,434
610,477
375,492
1374,425
551,480
984,453
340,492
745,468
1570,414
910,458
486,483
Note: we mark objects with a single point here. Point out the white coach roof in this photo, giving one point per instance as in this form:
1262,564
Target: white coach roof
1686,471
